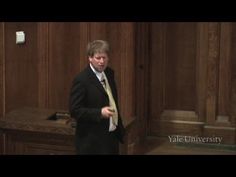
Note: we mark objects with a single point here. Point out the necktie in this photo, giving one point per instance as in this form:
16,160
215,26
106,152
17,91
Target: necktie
112,103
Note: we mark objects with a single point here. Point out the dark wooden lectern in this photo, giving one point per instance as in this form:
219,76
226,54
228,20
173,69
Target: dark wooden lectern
37,131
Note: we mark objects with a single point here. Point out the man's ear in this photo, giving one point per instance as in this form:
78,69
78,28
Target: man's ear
90,59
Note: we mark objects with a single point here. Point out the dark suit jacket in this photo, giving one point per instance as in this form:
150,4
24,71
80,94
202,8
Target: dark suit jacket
86,100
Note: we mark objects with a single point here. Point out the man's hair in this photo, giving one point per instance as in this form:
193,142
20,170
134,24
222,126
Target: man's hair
97,46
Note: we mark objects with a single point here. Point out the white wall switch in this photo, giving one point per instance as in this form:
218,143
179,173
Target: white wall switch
20,37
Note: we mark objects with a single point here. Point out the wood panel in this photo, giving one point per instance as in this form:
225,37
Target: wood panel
33,143
233,52
177,72
2,142
219,84
43,40
174,76
64,61
127,91
142,65
113,36
180,78
165,128
39,72
233,74
157,69
225,132
223,111
121,37
201,70
212,72
21,65
2,71
173,67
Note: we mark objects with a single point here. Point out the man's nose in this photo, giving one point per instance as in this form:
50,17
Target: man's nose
102,60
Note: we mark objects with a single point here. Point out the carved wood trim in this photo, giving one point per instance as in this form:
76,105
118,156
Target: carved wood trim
176,127
224,74
212,71
179,115
201,69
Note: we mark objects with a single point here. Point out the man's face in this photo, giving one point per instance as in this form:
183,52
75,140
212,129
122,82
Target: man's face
99,61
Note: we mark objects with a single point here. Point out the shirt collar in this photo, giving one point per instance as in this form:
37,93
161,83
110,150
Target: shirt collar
98,74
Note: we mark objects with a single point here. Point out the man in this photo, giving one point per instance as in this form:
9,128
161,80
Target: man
94,105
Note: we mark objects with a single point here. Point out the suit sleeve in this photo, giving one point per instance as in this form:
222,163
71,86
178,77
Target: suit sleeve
77,107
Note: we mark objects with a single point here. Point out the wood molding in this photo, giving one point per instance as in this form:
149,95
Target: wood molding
176,127
179,115
21,66
34,143
63,61
2,142
201,69
132,136
97,30
212,72
224,74
226,133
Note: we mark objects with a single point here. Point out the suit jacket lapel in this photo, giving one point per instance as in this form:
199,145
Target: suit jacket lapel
93,78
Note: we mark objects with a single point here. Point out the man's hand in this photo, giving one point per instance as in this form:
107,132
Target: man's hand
107,112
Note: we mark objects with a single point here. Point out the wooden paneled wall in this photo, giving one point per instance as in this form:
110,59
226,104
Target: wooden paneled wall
18,67
173,78
39,72
21,66
192,81
2,71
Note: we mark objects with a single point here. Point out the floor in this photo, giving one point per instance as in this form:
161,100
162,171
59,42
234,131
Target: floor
161,146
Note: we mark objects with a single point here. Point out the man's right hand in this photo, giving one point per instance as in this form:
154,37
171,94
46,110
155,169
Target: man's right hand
107,112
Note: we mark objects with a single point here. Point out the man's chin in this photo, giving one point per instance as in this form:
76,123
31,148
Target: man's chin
100,69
